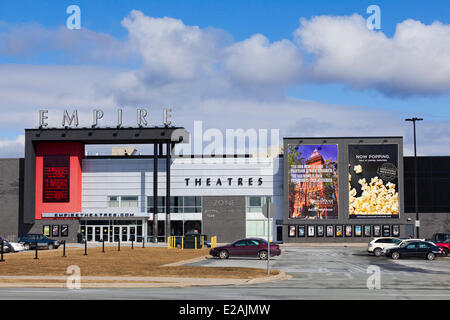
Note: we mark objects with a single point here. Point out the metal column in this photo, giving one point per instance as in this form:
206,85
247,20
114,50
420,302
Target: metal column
168,154
155,192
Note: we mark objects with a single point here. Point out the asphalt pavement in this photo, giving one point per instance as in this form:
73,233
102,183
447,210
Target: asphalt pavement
317,273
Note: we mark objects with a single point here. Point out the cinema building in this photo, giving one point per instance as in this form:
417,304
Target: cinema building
323,189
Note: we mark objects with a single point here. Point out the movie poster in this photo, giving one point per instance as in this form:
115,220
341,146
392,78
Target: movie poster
313,181
373,181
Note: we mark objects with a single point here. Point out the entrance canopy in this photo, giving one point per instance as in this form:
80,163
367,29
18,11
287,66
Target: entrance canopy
53,162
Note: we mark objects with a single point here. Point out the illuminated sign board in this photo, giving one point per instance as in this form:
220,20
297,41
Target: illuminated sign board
56,179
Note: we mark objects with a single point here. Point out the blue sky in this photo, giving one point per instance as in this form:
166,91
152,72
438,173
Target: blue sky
277,21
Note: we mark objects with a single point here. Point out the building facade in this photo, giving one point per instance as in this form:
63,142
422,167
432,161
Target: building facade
323,189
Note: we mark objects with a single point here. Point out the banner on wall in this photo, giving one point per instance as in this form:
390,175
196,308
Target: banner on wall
373,181
313,181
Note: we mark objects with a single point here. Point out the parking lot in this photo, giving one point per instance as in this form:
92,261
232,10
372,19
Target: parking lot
317,273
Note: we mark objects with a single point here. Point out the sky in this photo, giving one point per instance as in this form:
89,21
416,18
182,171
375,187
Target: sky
306,68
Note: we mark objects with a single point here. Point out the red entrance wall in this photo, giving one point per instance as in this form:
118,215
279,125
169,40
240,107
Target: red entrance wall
76,152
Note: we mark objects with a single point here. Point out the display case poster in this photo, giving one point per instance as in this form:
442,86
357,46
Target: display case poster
313,181
348,231
55,231
291,231
301,231
373,181
330,231
320,231
338,231
311,230
377,231
46,231
367,231
395,230
358,231
64,231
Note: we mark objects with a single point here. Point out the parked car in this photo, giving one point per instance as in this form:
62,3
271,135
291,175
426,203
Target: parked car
377,245
6,246
445,247
250,247
30,240
417,249
440,237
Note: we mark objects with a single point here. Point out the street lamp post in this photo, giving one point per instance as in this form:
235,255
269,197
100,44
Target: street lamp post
416,192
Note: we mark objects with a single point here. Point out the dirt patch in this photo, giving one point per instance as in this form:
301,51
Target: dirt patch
137,262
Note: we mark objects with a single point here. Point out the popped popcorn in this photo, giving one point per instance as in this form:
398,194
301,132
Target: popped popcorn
357,169
376,198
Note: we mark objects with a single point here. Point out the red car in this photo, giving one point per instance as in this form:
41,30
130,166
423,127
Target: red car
445,246
250,247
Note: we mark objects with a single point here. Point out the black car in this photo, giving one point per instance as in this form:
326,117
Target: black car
417,249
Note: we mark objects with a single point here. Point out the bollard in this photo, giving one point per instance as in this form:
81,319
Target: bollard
64,249
85,248
195,243
1,252
36,251
132,244
118,245
143,242
103,245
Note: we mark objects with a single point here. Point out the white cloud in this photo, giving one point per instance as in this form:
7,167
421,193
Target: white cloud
255,61
415,61
202,75
12,148
80,46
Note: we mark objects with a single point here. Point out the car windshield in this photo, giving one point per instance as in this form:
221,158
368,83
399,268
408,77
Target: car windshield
404,244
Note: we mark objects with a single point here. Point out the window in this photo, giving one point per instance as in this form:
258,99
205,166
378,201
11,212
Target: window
258,228
178,204
123,201
113,201
240,243
129,202
255,203
161,204
253,243
411,246
192,204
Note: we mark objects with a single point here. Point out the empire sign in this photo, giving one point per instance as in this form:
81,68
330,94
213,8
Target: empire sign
97,114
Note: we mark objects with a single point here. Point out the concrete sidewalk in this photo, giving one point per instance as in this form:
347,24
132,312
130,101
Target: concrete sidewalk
127,282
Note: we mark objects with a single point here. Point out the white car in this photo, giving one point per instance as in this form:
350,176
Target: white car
17,247
404,241
377,245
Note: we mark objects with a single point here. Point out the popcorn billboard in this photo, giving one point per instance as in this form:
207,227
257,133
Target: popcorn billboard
313,181
373,181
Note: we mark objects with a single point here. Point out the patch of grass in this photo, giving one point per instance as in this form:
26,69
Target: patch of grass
137,262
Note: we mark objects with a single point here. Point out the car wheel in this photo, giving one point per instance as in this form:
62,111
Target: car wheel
51,246
395,255
430,256
262,255
223,254
445,253
178,246
377,252
26,246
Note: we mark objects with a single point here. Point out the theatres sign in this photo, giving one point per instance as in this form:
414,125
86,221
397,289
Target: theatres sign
208,182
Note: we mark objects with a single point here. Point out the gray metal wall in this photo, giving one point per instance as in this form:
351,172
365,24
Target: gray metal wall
343,217
38,227
224,217
11,197
431,223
